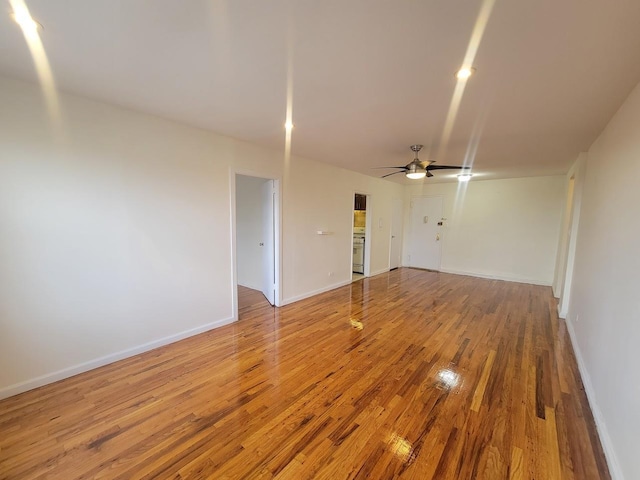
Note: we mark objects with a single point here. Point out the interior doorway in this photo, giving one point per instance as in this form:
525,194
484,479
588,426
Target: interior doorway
257,239
424,236
361,236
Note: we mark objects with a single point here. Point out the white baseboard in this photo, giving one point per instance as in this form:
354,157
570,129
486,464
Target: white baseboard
601,426
297,298
562,314
508,278
47,378
378,272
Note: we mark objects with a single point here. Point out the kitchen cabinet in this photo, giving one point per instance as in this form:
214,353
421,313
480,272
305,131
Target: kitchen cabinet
360,202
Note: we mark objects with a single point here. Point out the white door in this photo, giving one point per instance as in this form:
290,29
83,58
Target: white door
396,232
424,242
268,242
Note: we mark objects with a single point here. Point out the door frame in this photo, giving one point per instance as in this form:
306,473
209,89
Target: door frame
411,233
277,215
367,233
401,236
568,237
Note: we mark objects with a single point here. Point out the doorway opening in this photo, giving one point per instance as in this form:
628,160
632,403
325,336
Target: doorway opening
361,231
256,243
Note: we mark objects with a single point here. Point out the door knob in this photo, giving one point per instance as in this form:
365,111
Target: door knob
261,244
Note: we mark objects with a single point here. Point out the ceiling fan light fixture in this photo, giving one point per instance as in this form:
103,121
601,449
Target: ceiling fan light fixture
416,172
464,177
418,169
416,175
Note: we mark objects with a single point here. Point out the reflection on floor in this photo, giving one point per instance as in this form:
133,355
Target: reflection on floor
251,302
356,277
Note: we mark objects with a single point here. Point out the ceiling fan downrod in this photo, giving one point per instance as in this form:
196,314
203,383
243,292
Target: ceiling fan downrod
416,149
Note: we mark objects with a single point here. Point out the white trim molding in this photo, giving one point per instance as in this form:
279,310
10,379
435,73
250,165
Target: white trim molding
601,426
302,296
506,278
48,378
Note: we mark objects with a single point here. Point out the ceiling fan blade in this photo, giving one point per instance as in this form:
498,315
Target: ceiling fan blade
447,167
429,174
389,174
403,166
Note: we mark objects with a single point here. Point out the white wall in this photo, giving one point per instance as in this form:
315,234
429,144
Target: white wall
604,312
116,237
506,229
324,201
249,228
110,238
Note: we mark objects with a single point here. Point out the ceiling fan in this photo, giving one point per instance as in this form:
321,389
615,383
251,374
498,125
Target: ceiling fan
418,169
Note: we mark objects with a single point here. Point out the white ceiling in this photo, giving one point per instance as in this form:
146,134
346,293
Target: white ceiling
369,77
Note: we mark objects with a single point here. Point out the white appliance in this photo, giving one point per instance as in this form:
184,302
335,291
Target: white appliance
358,253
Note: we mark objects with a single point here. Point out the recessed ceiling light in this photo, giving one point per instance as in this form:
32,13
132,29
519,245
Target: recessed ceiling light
465,72
22,17
288,126
464,177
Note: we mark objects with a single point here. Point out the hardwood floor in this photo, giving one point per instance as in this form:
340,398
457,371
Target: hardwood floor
410,374
251,302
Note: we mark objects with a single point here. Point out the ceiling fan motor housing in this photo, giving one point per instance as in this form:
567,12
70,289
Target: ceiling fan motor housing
415,167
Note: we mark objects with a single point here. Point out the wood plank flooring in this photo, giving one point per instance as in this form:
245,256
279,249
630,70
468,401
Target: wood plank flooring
410,374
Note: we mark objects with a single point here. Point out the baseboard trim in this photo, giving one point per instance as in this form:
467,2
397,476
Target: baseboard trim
297,298
601,426
562,314
507,278
379,272
47,378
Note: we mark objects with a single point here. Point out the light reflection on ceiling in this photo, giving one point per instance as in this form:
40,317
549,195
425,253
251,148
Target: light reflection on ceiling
31,31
